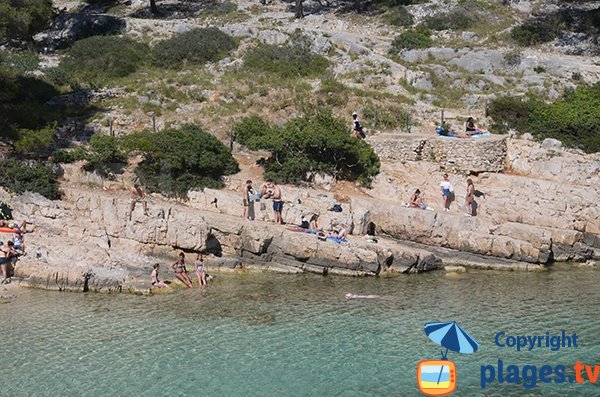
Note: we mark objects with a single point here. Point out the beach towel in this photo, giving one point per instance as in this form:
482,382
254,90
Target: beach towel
337,240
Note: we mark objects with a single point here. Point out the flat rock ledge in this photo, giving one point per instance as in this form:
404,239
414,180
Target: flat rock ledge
86,243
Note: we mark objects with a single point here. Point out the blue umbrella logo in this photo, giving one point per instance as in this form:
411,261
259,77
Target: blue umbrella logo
438,377
452,337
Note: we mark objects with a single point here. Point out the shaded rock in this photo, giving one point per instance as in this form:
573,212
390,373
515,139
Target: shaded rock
68,28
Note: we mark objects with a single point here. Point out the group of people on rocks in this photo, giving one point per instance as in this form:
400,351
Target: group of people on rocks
12,249
181,272
417,200
268,190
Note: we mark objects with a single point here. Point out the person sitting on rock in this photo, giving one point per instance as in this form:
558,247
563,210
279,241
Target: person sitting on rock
310,222
416,201
181,272
19,242
154,275
471,128
137,195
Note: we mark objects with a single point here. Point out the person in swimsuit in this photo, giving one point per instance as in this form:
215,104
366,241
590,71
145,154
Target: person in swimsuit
137,194
350,295
273,191
201,270
469,198
6,253
181,272
154,275
416,201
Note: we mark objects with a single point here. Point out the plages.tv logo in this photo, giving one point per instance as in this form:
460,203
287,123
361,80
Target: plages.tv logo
438,377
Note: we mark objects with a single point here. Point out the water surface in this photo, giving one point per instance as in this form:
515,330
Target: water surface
281,335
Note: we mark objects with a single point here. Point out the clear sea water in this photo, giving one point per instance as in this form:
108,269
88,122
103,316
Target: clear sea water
281,335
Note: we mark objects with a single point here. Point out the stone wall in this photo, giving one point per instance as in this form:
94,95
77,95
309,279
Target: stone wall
476,155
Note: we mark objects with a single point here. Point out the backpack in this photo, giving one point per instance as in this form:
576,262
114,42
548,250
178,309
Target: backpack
5,212
336,208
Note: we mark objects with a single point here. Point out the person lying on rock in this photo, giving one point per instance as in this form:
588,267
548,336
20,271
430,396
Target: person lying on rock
154,275
181,272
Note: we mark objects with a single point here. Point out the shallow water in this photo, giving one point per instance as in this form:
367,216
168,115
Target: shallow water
280,335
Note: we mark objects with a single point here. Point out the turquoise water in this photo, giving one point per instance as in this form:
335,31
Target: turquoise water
271,335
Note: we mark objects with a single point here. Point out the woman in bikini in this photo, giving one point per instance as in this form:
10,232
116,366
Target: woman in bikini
201,270
154,275
181,272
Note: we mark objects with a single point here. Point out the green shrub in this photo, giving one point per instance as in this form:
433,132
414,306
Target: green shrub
455,20
19,177
57,76
198,46
69,156
286,61
104,155
96,59
18,63
412,39
512,112
22,19
399,16
536,31
539,69
315,143
177,160
573,119
36,142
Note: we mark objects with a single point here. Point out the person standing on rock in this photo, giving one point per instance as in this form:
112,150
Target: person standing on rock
469,198
357,129
154,275
248,200
270,190
201,270
7,252
447,190
181,272
137,194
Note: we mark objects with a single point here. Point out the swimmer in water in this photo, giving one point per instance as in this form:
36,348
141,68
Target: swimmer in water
350,295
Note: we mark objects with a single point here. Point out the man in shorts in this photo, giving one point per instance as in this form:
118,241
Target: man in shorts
137,195
274,192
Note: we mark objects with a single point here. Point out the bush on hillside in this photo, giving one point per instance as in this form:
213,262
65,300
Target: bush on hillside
19,177
177,160
536,31
399,16
104,155
573,119
99,58
512,112
455,20
18,63
197,46
286,61
315,143
36,143
22,19
411,40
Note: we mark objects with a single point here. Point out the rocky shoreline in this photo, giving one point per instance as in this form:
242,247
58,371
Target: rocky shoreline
85,243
